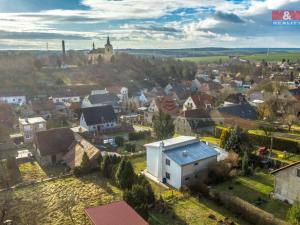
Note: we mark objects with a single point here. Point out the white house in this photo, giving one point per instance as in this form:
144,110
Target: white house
65,97
30,126
176,161
98,118
13,99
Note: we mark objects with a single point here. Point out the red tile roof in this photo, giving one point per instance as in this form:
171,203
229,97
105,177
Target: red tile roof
202,100
117,213
167,104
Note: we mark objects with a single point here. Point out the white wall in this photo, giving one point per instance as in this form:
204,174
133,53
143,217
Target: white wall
153,158
17,100
66,99
174,170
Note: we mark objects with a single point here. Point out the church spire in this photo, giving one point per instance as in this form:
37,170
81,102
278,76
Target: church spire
93,45
108,42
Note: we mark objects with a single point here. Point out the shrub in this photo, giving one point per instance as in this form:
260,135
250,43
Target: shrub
248,211
133,136
119,141
198,187
293,215
130,147
219,172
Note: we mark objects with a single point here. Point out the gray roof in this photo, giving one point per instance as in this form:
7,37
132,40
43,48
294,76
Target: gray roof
105,99
97,51
245,111
191,153
99,115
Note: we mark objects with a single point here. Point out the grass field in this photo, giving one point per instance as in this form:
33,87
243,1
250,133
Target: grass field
52,202
254,187
272,57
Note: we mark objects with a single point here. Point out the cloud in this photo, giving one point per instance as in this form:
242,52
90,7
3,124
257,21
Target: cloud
229,17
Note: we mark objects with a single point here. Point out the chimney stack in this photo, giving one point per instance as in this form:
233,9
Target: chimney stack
63,49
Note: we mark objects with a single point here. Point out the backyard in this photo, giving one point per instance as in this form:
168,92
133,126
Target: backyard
255,189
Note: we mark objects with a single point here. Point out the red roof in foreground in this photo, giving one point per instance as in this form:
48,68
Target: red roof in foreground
116,213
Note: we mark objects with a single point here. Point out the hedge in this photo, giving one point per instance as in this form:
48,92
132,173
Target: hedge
262,140
133,136
249,212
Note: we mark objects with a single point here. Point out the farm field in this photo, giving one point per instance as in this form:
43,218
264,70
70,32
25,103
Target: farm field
272,57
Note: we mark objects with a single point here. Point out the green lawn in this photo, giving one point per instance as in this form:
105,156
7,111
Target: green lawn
253,187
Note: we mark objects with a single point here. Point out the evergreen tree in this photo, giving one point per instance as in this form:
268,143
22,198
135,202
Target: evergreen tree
163,125
293,215
224,137
147,186
245,164
127,176
85,165
238,141
106,167
120,170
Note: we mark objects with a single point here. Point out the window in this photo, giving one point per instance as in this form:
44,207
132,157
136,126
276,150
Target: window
298,172
187,178
41,125
168,176
195,164
168,162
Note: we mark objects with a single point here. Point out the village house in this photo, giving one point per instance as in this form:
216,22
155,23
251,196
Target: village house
106,215
76,150
165,103
51,145
98,55
101,98
121,92
64,97
12,98
193,122
287,183
30,126
176,161
99,118
243,115
201,101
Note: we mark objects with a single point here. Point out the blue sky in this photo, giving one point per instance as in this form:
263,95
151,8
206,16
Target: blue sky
30,24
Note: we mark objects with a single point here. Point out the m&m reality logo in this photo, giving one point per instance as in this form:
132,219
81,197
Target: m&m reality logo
286,17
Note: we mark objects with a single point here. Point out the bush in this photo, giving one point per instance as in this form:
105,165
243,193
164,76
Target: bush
278,143
249,212
119,140
133,136
293,215
198,187
130,147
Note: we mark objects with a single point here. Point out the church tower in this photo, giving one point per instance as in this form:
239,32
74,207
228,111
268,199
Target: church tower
108,48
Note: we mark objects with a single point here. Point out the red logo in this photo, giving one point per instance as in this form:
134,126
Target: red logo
285,15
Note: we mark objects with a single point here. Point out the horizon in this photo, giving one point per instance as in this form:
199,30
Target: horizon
32,24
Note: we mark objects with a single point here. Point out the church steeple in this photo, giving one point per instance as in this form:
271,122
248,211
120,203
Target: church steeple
93,46
108,41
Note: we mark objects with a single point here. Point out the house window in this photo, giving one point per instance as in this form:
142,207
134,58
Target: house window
168,176
298,172
168,162
196,164
187,178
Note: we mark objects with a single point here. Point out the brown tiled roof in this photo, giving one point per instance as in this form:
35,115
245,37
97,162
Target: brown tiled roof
117,213
54,141
285,167
196,113
167,104
202,99
73,157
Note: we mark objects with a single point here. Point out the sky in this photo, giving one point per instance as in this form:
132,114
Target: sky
31,24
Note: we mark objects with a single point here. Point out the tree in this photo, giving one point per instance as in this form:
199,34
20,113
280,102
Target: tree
293,215
137,199
238,141
290,120
85,165
4,134
127,176
224,137
245,165
163,125
106,167
119,141
120,170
